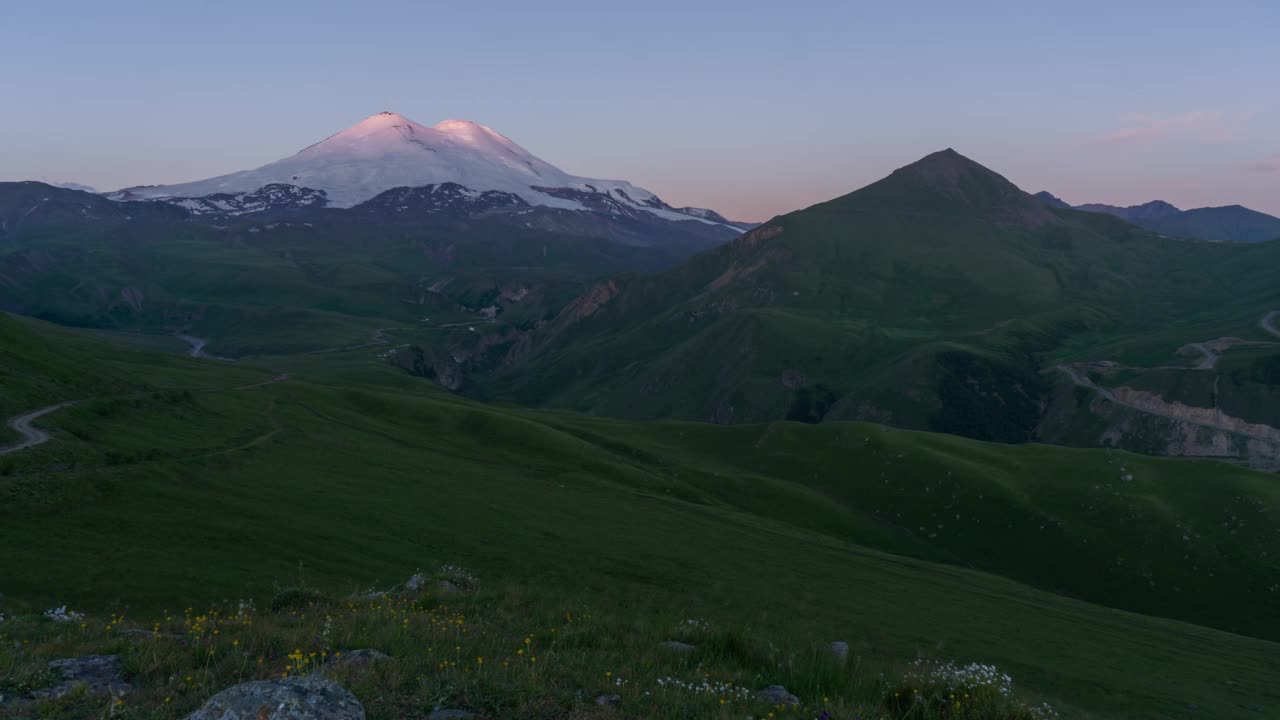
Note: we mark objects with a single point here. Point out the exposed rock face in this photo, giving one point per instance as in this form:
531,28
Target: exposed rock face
588,304
431,364
524,344
1143,421
97,674
759,236
311,697
274,196
1208,417
749,254
443,198
615,203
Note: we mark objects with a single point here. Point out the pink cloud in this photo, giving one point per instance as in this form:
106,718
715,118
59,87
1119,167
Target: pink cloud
1271,164
1211,126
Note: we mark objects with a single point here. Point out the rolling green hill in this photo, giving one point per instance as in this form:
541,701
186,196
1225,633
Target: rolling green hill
206,480
931,299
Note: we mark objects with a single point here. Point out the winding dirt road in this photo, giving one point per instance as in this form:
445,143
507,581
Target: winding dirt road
1268,322
379,338
1210,357
31,435
1217,421
1210,360
197,345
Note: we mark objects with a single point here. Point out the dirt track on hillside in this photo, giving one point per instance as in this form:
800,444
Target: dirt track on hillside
1152,404
1268,322
31,435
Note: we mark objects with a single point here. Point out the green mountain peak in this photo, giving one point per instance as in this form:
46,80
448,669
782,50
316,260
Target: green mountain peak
948,183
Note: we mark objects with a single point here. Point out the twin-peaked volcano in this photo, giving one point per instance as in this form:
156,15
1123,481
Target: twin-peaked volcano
388,150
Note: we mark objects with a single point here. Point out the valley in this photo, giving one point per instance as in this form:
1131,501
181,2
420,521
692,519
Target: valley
936,420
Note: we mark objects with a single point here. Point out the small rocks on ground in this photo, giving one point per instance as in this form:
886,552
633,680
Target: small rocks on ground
442,587
361,657
840,651
777,695
679,646
98,674
308,697
609,700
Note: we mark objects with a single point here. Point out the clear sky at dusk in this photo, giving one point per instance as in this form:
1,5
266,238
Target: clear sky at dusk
749,108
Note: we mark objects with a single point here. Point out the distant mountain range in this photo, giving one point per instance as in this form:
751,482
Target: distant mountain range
1231,223
929,299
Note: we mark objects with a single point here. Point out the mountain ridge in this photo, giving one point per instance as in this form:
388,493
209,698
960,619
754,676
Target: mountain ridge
1226,223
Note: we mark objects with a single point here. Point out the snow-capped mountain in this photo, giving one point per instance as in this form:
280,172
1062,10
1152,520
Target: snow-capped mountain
443,198
276,196
388,150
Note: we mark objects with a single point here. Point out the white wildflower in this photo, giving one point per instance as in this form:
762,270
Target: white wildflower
726,690
458,575
61,614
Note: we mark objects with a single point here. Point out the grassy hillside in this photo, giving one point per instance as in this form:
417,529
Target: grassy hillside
215,483
930,299
43,364
305,281
497,649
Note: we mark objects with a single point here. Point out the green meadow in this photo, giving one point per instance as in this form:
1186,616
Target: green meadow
1105,583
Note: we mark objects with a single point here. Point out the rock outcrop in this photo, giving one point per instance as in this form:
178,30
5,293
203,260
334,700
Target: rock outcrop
96,674
309,697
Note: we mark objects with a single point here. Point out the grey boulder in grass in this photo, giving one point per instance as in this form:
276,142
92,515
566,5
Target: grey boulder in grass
777,695
309,697
97,674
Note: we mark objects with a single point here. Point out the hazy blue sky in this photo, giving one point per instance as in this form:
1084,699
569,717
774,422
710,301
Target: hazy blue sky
748,108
